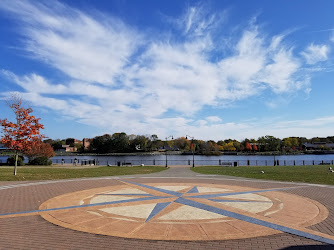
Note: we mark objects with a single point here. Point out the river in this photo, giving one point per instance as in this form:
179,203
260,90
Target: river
240,160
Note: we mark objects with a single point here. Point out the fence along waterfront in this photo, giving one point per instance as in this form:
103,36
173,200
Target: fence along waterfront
282,160
199,162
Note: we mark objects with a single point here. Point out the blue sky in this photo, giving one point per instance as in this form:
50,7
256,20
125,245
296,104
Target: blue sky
209,69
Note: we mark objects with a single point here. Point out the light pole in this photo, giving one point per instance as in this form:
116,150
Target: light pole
192,142
166,148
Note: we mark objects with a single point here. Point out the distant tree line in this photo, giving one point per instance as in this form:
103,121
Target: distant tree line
58,143
123,143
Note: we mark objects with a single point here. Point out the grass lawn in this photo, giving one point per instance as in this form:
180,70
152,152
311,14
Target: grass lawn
25,173
310,174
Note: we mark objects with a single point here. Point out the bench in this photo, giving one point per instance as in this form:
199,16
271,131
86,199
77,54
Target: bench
226,164
126,164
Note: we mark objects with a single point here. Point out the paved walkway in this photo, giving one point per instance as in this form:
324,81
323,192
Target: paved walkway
176,208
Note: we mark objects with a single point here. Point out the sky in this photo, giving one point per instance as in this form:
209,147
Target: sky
212,70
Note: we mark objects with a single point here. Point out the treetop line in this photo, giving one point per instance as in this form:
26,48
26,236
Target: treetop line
123,143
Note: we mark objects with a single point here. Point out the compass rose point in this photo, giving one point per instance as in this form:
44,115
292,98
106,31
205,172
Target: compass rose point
162,190
157,209
194,190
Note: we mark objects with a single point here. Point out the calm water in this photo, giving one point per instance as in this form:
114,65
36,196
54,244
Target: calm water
242,160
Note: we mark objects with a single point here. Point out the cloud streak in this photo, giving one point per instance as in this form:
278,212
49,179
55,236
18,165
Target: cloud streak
316,53
121,79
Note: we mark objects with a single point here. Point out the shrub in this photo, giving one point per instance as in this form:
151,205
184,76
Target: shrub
43,160
39,149
11,160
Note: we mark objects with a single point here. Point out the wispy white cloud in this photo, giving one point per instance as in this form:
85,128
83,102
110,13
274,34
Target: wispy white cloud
115,81
331,38
82,46
214,119
197,20
316,53
34,83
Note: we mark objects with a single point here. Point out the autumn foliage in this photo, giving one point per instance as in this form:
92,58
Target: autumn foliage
248,146
39,149
22,134
254,147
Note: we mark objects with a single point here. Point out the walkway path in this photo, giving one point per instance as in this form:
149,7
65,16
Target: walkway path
176,208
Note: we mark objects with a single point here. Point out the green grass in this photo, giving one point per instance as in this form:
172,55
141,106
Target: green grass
25,173
308,174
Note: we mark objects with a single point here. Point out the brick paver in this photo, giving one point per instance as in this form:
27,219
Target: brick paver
33,232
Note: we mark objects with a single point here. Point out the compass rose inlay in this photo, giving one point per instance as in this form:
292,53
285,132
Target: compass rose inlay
185,211
158,198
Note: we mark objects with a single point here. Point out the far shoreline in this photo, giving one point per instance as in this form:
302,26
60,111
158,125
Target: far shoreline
187,153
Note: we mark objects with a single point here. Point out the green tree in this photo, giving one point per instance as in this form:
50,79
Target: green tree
290,143
56,144
70,141
140,142
154,137
237,145
269,143
102,144
229,146
155,145
120,142
182,143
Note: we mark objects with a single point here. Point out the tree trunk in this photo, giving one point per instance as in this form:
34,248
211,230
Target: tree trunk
16,158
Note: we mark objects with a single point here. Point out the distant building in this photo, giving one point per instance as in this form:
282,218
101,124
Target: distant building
86,143
66,148
318,145
72,141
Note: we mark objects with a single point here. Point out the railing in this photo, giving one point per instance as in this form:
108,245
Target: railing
197,162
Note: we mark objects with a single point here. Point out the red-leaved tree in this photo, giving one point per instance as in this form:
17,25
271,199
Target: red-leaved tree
254,147
39,149
248,146
22,134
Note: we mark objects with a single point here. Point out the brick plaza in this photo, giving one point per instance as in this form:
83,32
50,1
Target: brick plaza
24,226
